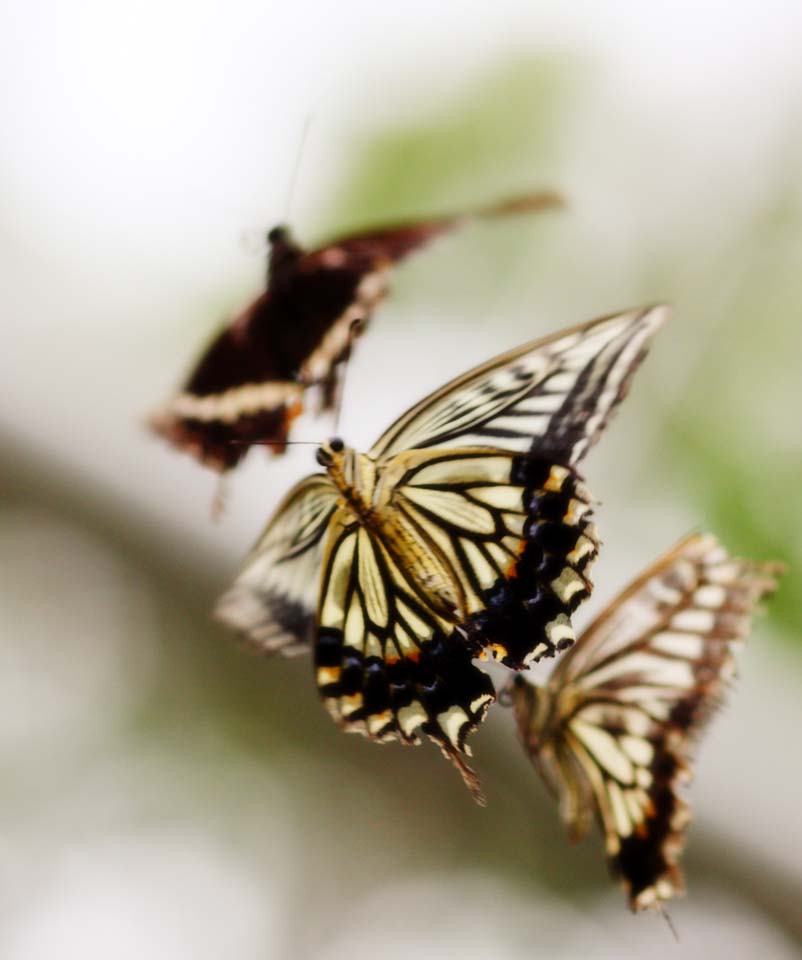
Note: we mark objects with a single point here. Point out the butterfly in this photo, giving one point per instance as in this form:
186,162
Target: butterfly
464,532
612,731
248,385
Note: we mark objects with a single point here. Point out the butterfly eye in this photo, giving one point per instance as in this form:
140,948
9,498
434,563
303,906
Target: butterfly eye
323,457
277,235
336,445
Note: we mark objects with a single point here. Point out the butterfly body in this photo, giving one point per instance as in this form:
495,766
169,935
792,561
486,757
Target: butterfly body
464,533
315,303
248,385
612,730
250,382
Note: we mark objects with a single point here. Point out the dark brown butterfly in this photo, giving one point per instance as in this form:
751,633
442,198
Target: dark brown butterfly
463,533
612,731
248,385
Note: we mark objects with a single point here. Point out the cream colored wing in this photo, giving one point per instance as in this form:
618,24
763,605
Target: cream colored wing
613,730
551,396
274,598
506,542
387,666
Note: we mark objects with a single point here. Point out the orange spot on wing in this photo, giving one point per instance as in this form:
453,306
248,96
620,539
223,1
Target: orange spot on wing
293,411
513,564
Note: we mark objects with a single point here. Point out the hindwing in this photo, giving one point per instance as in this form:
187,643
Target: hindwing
514,536
275,596
612,731
386,665
474,553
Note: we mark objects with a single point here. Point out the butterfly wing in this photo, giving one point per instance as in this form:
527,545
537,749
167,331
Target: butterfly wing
240,392
469,552
387,666
248,385
486,548
388,245
612,732
274,598
505,542
551,397
508,519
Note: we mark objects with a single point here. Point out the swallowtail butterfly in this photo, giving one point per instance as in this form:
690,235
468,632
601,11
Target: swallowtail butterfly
612,731
248,385
464,532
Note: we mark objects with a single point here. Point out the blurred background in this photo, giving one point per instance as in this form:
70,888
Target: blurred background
166,793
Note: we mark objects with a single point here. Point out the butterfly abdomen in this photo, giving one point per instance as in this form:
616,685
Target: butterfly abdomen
428,574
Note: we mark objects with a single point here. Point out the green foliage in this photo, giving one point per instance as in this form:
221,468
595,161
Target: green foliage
499,134
735,430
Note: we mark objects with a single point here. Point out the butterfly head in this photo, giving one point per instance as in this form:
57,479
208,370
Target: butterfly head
354,474
283,249
330,454
278,235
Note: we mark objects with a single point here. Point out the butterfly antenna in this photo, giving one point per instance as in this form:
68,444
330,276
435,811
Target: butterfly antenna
284,443
297,166
665,915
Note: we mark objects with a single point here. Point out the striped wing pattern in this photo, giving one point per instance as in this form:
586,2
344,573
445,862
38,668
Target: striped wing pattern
613,730
275,596
515,537
551,396
386,665
484,554
464,533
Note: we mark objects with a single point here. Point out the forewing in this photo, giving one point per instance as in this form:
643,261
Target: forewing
386,665
388,245
619,716
274,599
551,397
385,246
